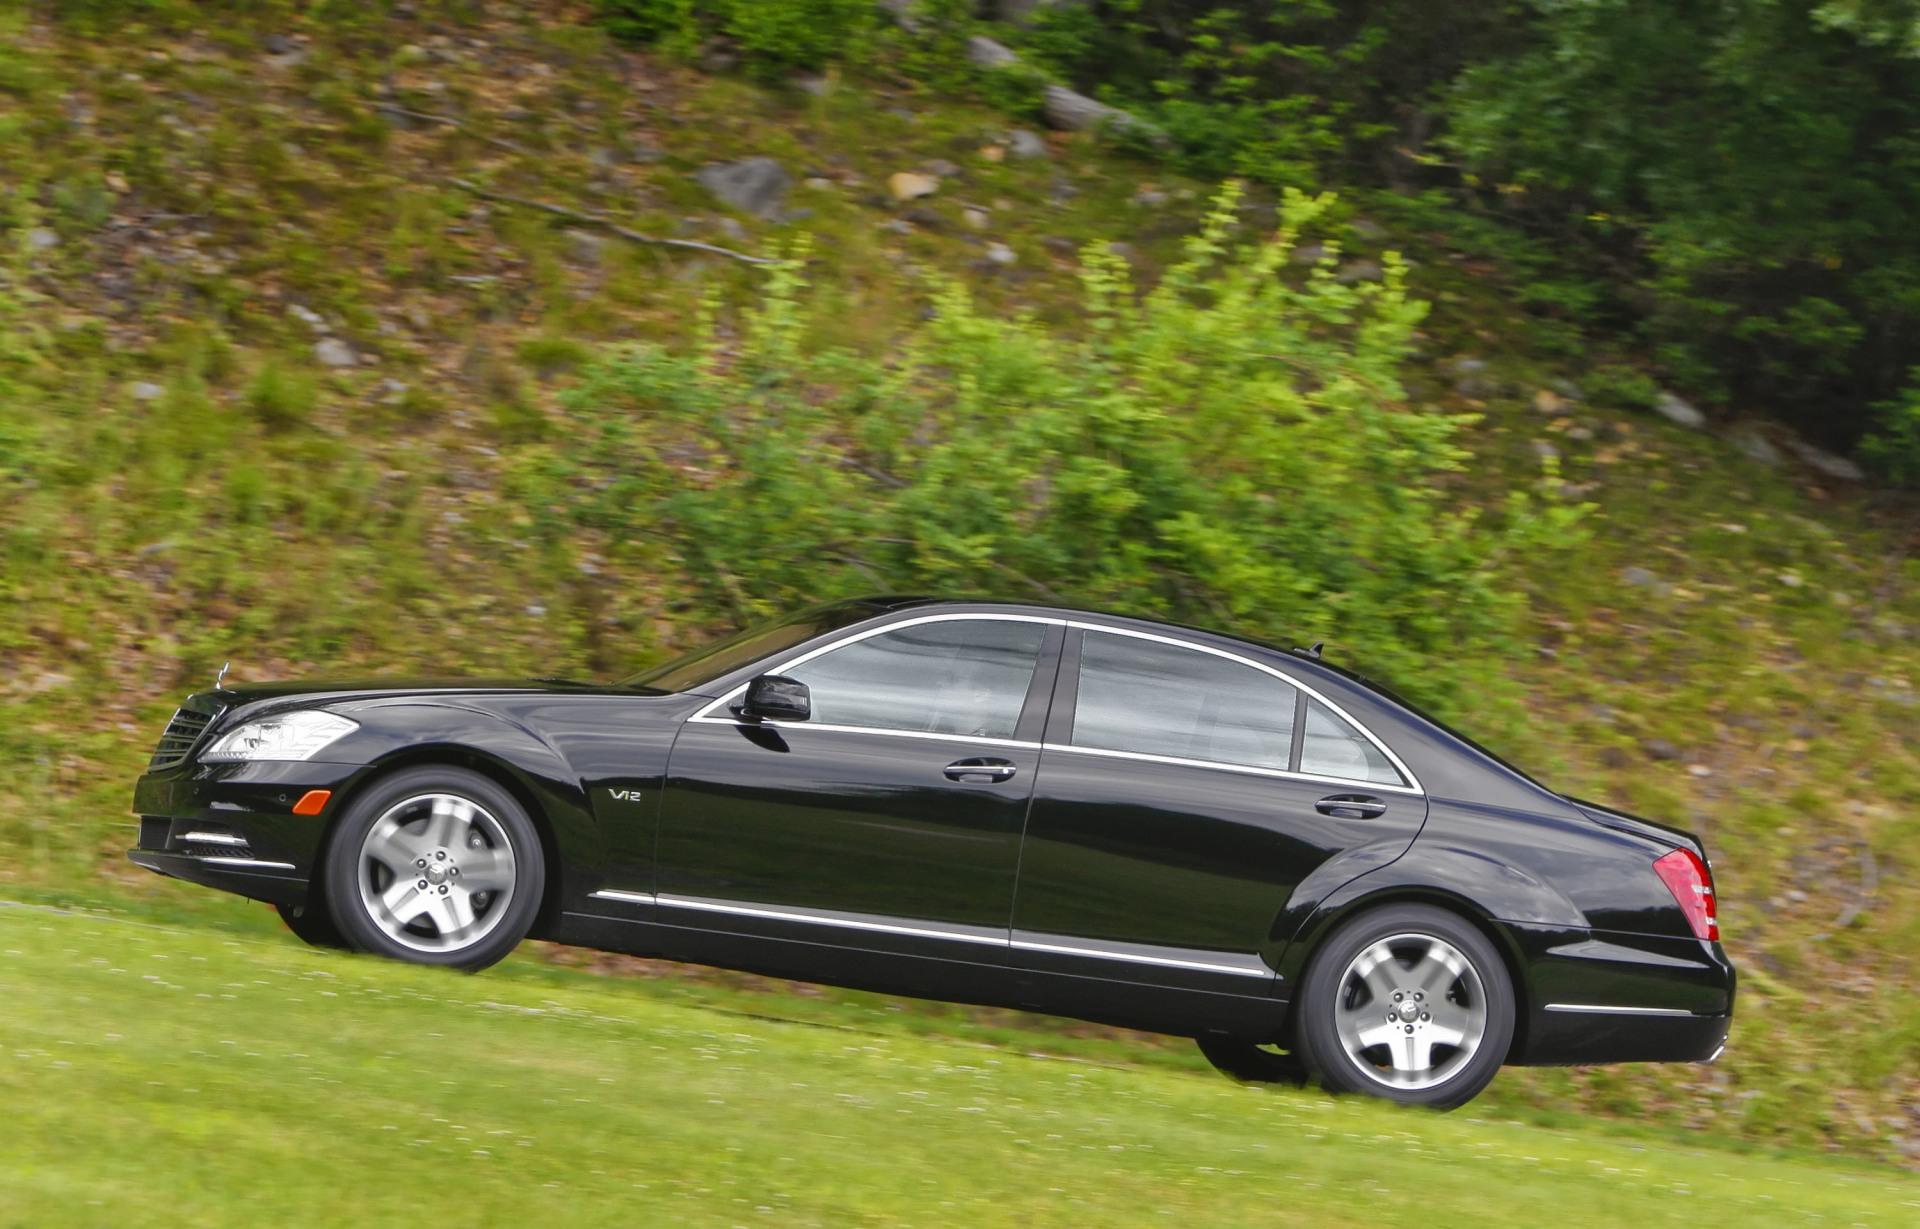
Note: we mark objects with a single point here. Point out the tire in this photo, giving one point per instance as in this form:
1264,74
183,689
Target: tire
473,861
1251,1063
311,923
1441,981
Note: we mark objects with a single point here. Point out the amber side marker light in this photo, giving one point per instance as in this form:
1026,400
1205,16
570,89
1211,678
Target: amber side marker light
312,802
1691,883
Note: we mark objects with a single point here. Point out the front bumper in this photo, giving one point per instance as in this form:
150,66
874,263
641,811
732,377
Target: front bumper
232,826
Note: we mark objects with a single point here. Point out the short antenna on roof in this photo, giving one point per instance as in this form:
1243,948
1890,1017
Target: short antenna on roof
1313,652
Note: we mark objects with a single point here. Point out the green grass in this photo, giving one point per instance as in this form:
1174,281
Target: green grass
166,1074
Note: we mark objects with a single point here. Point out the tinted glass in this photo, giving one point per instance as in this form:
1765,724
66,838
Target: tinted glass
709,662
1333,748
952,677
1159,699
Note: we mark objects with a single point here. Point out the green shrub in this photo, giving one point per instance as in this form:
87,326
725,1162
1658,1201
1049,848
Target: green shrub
280,397
771,34
1232,448
1893,446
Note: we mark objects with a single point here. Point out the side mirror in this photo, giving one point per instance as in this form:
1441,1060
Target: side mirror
777,697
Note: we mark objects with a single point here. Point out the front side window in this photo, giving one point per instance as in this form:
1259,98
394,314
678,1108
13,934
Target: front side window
1160,699
956,676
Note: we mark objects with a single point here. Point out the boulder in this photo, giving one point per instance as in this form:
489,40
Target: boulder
1675,410
1024,144
752,185
983,52
1072,111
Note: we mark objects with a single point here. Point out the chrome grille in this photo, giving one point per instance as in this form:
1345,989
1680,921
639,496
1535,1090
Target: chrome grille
182,733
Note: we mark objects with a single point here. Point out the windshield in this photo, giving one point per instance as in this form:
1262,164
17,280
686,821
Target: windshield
695,670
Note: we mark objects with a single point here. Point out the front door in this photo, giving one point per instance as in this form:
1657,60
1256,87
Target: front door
891,819
1186,793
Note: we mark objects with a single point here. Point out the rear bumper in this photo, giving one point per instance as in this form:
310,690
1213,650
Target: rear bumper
232,826
1608,997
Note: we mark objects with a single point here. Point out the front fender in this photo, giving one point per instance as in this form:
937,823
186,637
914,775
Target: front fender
397,733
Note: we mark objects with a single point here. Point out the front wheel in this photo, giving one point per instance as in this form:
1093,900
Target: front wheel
435,866
1406,1002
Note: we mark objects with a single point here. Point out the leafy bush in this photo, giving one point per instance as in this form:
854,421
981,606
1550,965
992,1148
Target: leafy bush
1232,448
771,34
1749,166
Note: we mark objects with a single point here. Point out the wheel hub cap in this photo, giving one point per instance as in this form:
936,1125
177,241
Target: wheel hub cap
436,872
1411,1011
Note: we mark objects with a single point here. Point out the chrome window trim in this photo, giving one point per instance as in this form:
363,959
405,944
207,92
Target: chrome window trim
1057,944
1412,785
1606,1010
706,712
1346,783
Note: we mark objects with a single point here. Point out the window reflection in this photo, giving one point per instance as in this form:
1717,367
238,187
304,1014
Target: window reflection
966,677
1158,699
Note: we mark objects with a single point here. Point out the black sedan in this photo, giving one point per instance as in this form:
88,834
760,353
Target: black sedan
1084,814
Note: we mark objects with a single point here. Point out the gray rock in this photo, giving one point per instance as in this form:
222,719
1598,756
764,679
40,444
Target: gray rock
1544,450
1309,254
332,352
1150,198
1675,410
977,219
757,186
903,12
309,317
145,390
584,247
943,168
983,52
1001,254
1367,229
1024,144
1659,749
1747,438
814,84
1830,464
40,239
1072,111
277,44
1359,271
1640,578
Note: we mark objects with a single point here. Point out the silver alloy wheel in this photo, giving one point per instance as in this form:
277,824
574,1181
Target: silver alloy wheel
436,872
1411,1011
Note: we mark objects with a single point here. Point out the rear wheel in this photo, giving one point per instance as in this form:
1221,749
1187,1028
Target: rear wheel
435,866
1406,1002
1251,1063
311,923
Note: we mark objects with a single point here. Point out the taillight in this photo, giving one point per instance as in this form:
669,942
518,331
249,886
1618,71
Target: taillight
1691,883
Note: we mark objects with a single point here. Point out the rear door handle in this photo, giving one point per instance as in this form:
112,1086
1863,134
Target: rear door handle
981,766
1350,806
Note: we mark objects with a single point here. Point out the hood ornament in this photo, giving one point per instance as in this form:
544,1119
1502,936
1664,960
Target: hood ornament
221,677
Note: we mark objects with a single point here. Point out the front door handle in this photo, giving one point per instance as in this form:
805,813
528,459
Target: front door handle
1350,806
981,766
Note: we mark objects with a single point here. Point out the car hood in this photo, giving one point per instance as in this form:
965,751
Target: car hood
261,696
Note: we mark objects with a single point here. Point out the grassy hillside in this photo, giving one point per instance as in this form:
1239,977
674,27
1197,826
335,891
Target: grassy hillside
199,226
335,1089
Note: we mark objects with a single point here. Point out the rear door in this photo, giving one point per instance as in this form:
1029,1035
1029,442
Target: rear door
1185,794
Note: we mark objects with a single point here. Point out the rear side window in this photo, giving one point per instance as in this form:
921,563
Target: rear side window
1334,748
1160,699
1151,698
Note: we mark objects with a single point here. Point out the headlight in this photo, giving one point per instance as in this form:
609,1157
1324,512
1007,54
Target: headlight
292,736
